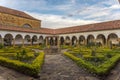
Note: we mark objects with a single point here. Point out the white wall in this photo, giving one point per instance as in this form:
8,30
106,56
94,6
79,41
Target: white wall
23,34
94,33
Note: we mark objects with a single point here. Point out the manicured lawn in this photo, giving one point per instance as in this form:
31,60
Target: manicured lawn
24,60
100,63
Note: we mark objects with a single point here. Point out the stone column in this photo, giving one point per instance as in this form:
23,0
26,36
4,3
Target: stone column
77,42
107,41
85,42
65,42
14,42
23,42
58,42
46,41
31,42
38,42
70,42
95,40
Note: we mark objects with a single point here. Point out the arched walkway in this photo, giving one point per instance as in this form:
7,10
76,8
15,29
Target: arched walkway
82,40
74,40
55,41
8,40
67,40
34,40
18,40
113,38
90,39
41,40
51,41
61,40
101,39
27,40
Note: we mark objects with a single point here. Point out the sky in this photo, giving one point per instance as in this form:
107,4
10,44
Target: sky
66,13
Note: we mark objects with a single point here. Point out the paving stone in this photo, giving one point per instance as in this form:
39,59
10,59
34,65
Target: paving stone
91,78
62,68
81,78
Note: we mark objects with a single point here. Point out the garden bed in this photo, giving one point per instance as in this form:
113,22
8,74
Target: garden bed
26,62
100,64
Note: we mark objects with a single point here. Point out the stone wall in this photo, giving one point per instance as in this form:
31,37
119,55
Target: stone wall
12,20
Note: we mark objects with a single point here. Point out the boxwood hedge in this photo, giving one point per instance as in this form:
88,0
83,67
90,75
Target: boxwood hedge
102,69
28,69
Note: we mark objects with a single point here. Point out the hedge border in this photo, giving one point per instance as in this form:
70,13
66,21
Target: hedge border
28,69
103,69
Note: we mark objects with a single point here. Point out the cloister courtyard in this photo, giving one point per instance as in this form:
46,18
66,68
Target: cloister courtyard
83,52
77,62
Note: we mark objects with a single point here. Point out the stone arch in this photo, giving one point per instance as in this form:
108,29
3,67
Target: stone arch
51,41
55,40
74,40
113,38
18,39
90,39
27,25
27,40
61,40
67,40
101,39
8,40
81,40
34,39
41,40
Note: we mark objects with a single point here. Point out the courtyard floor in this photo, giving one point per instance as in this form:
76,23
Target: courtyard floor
58,67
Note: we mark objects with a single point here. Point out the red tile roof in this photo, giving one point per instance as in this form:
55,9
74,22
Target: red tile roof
75,29
90,27
15,12
28,30
110,25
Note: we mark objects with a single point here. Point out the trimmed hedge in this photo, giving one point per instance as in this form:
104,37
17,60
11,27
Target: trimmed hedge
28,69
102,69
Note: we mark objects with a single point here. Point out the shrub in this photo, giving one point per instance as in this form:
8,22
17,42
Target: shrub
94,58
22,55
99,70
1,46
29,69
91,44
71,56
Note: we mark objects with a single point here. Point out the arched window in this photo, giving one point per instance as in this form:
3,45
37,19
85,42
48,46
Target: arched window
27,26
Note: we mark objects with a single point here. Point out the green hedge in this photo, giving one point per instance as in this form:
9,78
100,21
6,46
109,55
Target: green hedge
28,69
99,70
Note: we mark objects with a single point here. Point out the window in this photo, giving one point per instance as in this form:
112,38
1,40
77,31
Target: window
27,26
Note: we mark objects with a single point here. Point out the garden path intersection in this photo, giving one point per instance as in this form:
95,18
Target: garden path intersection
58,67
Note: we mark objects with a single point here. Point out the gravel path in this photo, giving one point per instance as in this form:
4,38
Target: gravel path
58,67
115,73
9,74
